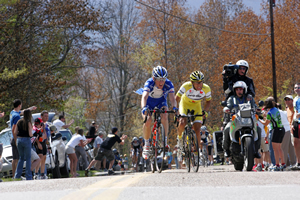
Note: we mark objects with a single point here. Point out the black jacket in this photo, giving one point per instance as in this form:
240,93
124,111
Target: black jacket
229,82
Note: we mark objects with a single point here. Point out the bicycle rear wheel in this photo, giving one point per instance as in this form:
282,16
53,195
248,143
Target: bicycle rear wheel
194,156
186,150
159,150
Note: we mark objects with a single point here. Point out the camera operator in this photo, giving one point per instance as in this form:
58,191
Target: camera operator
232,74
41,148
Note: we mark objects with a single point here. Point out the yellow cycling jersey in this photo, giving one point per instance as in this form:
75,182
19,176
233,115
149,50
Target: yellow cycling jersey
189,95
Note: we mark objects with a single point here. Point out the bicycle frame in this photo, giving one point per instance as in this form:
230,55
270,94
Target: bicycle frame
157,145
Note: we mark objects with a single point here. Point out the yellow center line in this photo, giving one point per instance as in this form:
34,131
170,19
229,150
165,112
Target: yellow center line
113,192
112,187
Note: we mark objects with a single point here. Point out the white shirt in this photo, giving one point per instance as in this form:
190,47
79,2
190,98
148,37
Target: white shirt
284,120
98,140
75,140
262,127
58,123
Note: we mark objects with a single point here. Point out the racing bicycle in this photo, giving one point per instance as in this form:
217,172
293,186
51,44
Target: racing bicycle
190,142
157,140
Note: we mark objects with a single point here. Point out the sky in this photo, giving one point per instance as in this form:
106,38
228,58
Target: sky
253,4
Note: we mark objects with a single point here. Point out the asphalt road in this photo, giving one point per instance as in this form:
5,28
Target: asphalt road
214,182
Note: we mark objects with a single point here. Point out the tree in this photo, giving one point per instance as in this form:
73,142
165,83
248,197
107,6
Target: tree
37,39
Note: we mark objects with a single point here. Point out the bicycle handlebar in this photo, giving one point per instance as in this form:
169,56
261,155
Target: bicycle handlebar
156,110
189,115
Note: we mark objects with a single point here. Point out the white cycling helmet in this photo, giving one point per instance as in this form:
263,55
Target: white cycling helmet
243,63
240,84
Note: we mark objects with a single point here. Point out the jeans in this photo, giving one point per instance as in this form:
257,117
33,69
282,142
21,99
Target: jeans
80,151
271,148
176,162
24,148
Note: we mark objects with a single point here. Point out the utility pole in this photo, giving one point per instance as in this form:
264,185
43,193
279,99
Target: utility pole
272,4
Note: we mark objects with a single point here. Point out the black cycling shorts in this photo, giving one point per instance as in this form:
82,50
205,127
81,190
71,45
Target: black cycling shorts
44,150
278,134
296,126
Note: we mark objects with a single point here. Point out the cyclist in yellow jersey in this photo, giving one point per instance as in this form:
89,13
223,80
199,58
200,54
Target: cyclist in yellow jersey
190,96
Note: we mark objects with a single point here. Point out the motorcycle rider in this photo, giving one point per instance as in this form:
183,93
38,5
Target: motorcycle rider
240,75
240,96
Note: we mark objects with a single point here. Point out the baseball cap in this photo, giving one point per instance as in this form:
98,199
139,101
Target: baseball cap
52,128
37,121
288,96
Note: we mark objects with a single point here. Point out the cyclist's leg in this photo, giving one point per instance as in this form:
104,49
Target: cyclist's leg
197,125
147,133
165,123
182,121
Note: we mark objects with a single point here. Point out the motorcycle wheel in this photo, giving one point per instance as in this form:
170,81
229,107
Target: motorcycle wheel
249,153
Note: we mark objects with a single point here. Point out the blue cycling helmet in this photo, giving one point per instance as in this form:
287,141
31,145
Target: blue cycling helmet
159,72
115,151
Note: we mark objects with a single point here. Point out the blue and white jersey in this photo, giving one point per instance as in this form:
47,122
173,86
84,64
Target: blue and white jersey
158,94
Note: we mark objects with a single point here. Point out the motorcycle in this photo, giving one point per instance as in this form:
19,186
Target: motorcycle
243,135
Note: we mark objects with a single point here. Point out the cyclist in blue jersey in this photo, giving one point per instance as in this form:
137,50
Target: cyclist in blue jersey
155,92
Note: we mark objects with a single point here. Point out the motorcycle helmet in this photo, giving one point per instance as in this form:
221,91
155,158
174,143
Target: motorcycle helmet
196,76
159,72
240,84
243,63
203,128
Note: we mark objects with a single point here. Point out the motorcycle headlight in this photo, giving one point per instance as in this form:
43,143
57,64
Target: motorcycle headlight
246,121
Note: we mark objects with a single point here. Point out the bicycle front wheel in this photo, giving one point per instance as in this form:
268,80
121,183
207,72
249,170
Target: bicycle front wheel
151,156
160,148
194,156
186,150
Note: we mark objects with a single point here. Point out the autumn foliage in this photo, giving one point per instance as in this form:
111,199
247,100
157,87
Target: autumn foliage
105,51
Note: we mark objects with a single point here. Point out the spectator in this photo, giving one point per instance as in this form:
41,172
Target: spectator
210,148
278,131
80,151
296,125
35,159
116,167
169,156
53,130
105,150
60,123
14,118
98,141
263,146
41,147
23,131
125,161
287,147
70,150
93,129
175,156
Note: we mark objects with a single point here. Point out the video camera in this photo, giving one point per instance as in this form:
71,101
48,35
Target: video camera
230,69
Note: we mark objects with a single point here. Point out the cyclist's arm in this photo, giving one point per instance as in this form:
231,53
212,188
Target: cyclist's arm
207,105
177,99
173,100
144,98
